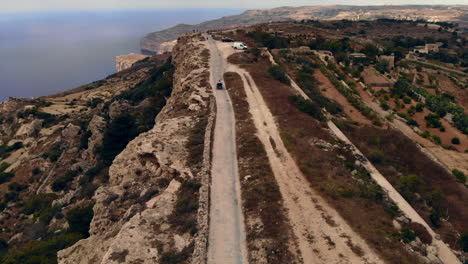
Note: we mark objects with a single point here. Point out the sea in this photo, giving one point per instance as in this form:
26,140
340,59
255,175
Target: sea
43,53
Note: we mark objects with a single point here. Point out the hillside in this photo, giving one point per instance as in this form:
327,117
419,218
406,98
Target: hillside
329,142
151,43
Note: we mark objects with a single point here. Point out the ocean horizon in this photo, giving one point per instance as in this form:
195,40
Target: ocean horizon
43,53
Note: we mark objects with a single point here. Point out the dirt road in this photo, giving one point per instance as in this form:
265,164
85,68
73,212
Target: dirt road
322,234
227,235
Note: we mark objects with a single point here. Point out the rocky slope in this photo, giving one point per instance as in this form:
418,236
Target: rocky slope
153,42
110,165
124,62
152,170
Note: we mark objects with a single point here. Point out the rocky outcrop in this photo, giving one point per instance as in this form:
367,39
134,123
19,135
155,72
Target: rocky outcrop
118,107
166,46
29,129
131,214
124,62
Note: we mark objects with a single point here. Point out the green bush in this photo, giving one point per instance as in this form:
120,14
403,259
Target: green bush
376,157
384,105
79,219
10,197
371,191
464,241
94,102
433,120
308,107
62,182
40,206
419,107
16,187
279,74
41,252
119,132
459,175
36,171
434,217
412,122
407,235
409,185
6,176
268,40
4,166
3,245
455,141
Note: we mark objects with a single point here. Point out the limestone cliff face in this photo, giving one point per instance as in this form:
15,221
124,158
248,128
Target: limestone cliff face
132,213
124,62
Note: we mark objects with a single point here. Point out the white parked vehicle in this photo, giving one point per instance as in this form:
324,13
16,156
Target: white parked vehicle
239,45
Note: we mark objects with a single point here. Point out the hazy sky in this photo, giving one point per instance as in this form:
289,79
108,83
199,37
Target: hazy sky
34,5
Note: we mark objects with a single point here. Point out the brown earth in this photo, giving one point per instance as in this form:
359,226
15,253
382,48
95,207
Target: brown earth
273,237
298,132
401,156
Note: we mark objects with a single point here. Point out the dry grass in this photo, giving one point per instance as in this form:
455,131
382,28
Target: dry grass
401,156
260,192
359,204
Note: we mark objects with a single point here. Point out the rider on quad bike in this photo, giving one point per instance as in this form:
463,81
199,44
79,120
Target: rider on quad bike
219,85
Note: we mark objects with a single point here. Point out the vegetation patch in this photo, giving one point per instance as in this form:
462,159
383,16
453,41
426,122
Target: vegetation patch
429,188
184,215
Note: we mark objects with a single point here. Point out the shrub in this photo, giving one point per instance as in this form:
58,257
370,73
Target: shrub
384,105
54,154
36,171
35,204
3,245
43,252
94,102
308,107
419,107
407,235
420,232
459,175
434,217
412,122
279,74
4,166
464,241
6,176
371,191
79,219
255,51
10,197
94,171
437,139
62,182
16,187
119,132
408,185
433,120
455,141
376,157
